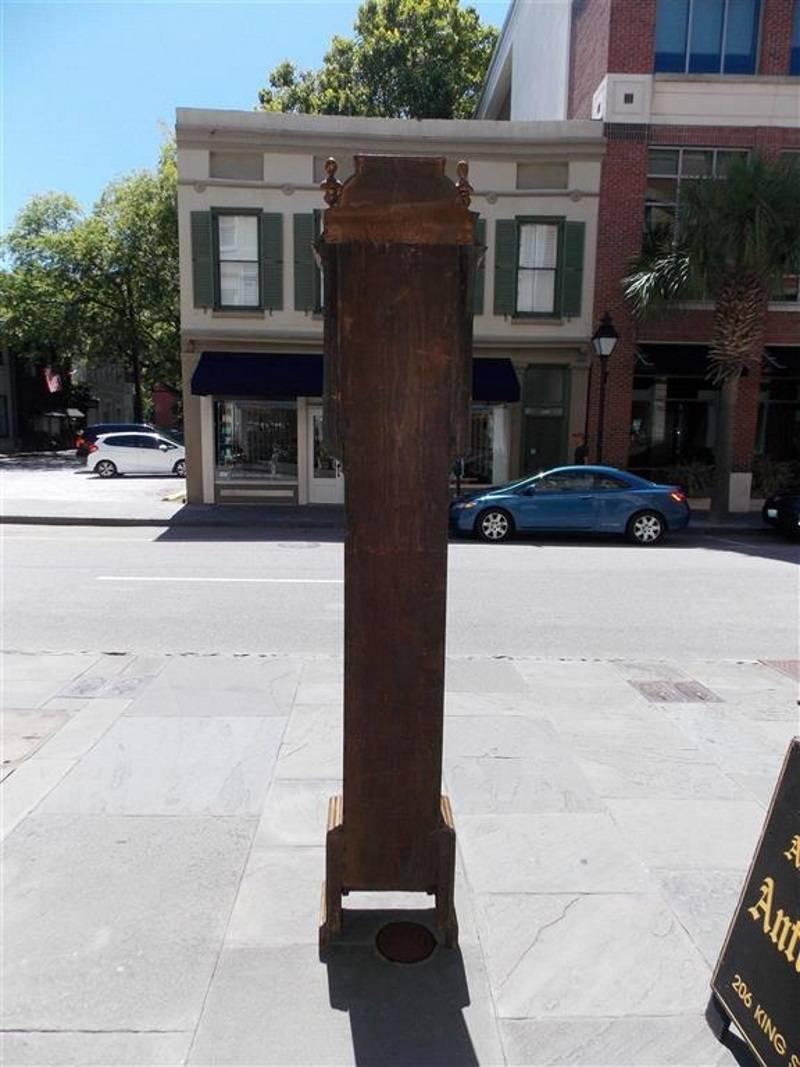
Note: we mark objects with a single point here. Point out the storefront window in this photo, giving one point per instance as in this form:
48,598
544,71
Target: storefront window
673,422
478,461
256,439
778,433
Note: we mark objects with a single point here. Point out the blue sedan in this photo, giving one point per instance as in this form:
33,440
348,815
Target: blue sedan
598,499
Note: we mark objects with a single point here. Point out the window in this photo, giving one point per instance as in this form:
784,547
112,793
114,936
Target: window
537,267
667,168
794,55
565,482
256,440
128,440
707,36
238,260
607,482
479,459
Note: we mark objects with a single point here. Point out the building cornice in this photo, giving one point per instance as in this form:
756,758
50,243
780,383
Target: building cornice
323,134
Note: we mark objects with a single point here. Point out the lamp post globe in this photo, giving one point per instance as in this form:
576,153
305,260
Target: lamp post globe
604,341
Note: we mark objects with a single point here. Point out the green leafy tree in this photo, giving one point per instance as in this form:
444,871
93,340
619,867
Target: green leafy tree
102,287
40,297
736,239
423,59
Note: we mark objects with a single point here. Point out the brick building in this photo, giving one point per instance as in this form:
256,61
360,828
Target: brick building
679,86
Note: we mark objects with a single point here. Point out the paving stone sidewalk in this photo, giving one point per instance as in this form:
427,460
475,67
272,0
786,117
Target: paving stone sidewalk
164,822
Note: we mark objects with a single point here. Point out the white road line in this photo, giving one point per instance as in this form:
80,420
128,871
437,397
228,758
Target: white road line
84,540
169,578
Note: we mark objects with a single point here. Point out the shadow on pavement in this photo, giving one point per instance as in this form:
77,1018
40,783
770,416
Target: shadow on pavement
739,1050
766,545
46,461
399,1014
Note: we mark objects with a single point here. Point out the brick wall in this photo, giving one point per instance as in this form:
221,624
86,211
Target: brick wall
621,216
632,36
622,189
618,36
776,36
588,53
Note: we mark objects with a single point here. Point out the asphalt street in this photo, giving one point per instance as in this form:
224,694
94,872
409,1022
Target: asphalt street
141,590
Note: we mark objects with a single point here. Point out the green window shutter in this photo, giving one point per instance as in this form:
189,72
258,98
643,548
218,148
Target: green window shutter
572,268
304,265
202,259
272,260
505,267
480,273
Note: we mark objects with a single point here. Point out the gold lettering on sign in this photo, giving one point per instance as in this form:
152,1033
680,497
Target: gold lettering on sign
765,904
793,852
782,928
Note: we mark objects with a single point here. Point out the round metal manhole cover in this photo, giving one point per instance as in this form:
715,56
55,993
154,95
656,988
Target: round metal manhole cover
405,942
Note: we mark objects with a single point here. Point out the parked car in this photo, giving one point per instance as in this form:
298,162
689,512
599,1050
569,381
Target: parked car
135,453
782,510
599,499
86,437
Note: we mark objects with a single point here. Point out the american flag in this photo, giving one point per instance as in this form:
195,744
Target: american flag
52,381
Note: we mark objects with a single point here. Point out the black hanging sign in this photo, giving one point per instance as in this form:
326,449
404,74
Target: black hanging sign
757,979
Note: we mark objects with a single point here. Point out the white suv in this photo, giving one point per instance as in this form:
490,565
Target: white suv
136,453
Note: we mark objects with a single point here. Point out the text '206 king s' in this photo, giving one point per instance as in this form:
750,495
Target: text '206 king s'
567,499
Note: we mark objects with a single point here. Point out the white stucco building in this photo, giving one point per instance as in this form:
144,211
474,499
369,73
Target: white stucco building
251,294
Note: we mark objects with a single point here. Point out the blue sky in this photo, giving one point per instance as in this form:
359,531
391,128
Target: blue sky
89,87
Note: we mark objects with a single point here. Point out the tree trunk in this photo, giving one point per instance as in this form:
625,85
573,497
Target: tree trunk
135,353
136,369
737,340
723,451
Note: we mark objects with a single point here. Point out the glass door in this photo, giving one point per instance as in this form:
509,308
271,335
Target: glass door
325,481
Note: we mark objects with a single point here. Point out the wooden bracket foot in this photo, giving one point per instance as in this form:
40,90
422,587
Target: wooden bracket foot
330,925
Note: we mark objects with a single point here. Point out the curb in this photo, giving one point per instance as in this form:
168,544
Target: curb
283,523
171,523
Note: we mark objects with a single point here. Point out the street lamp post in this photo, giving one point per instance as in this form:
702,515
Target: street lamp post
604,341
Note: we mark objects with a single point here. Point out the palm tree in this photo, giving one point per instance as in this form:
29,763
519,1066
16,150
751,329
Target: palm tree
735,240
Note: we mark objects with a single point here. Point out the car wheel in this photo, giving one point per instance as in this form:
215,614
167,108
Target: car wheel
105,468
494,525
646,528
180,468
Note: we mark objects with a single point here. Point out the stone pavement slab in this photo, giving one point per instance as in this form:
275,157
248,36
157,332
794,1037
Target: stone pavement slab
94,1049
356,1009
165,824
180,766
203,686
588,954
115,923
655,1041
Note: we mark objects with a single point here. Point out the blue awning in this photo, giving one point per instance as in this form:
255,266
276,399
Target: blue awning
242,374
494,380
286,377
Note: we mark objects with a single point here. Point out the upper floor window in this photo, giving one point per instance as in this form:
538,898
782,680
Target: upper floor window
237,259
794,60
707,36
538,267
669,168
237,244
